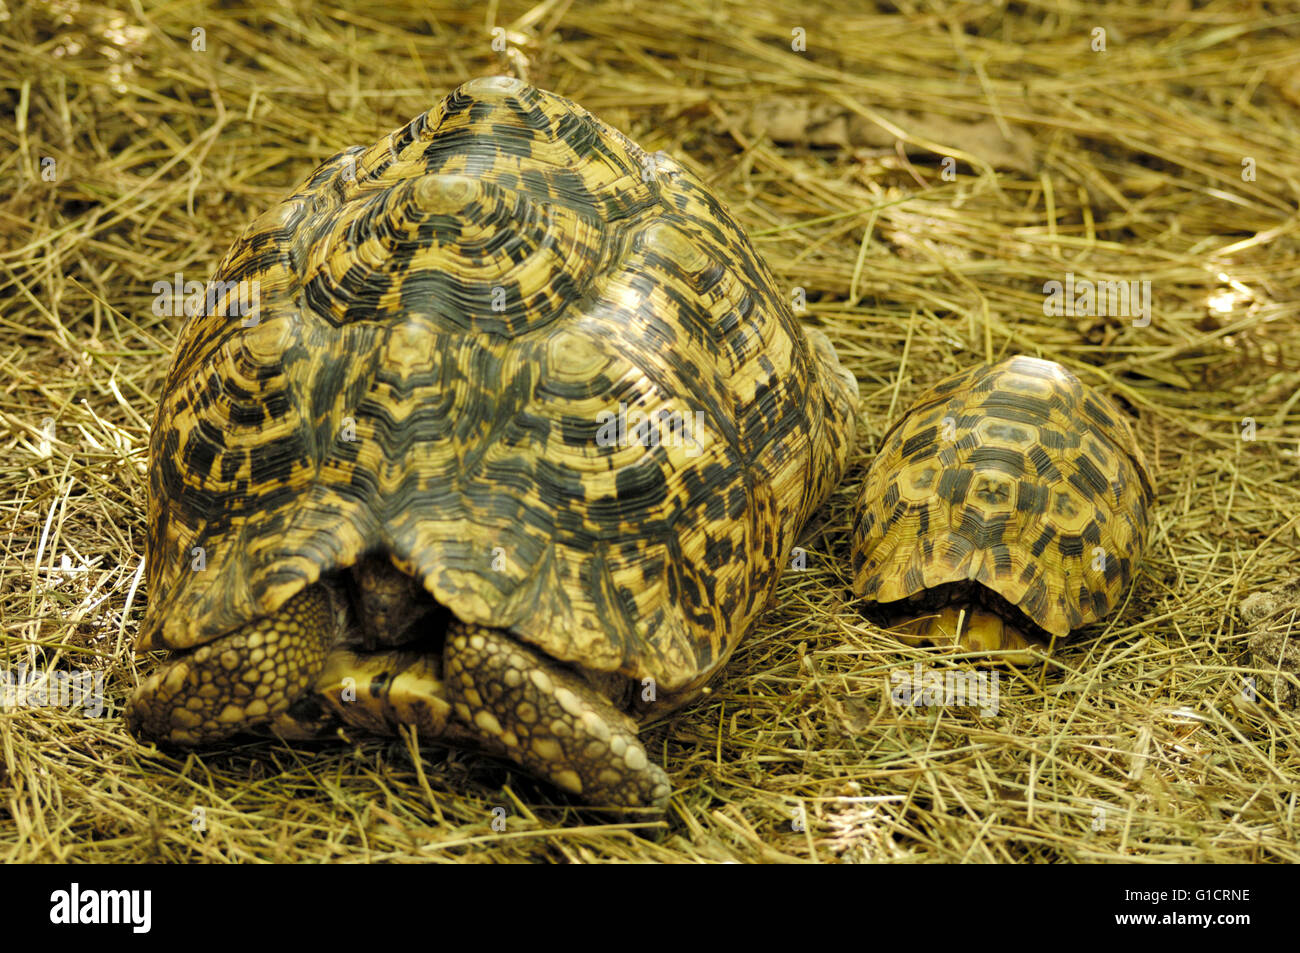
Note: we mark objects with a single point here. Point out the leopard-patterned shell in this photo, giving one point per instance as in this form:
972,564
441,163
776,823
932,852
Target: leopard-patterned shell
1016,476
542,369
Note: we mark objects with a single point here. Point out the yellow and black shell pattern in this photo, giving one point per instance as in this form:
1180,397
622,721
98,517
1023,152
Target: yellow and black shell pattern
541,369
1016,476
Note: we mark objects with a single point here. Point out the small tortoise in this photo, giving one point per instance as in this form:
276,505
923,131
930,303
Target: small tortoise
512,445
1007,507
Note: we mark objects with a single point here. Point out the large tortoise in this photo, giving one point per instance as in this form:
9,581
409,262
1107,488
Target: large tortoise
1008,506
512,444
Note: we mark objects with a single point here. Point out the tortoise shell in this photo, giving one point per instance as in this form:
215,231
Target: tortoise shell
542,370
1015,476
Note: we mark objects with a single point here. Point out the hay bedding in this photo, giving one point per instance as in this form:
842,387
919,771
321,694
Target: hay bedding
1169,157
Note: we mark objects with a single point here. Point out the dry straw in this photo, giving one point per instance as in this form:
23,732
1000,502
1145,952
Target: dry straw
1169,157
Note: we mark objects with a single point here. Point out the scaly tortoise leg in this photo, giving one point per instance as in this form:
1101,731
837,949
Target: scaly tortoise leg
248,678
549,720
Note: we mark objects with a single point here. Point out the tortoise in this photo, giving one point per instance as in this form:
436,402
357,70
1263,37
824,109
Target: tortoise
1008,506
512,445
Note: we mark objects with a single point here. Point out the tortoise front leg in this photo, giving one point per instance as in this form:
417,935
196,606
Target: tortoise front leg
248,678
549,720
